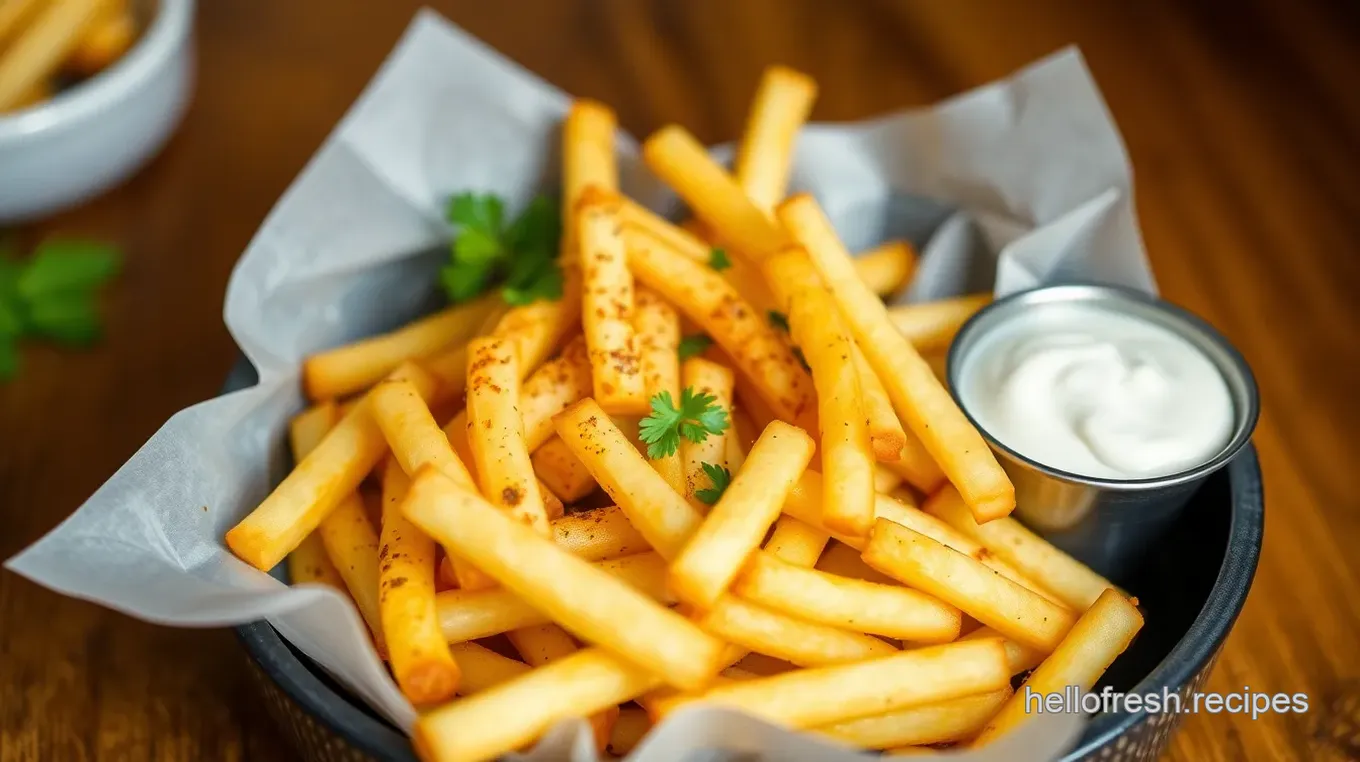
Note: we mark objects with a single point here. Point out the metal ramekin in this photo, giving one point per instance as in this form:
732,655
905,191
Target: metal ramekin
1107,523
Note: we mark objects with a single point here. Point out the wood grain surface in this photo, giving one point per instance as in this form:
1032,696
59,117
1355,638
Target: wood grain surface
1243,125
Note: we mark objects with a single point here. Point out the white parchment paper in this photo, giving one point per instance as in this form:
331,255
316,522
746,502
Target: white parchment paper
1020,182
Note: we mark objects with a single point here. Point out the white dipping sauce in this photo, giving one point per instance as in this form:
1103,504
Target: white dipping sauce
1097,393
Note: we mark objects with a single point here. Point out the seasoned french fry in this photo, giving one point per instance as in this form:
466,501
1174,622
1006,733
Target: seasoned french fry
943,722
676,157
844,561
660,515
915,465
471,614
921,402
797,641
607,307
351,543
308,562
354,367
683,241
587,160
484,668
515,713
796,543
756,347
1071,581
53,32
1007,607
705,377
449,368
1095,641
931,326
599,534
328,475
563,473
496,434
14,14
1020,658
631,726
422,664
548,390
739,521
553,507
821,696
545,643
849,604
765,154
657,327
886,434
887,268
554,580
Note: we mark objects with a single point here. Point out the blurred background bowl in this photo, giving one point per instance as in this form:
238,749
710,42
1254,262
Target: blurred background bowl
98,132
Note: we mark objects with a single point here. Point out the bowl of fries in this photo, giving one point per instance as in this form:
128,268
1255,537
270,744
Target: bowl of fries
89,91
640,466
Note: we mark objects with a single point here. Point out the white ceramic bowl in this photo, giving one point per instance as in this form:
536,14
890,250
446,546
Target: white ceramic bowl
98,132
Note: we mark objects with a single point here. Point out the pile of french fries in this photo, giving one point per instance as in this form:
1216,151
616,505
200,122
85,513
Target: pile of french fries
857,577
46,42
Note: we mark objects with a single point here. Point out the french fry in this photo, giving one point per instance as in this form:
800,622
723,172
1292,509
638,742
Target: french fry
683,241
914,464
885,481
351,543
354,367
422,664
917,396
515,713
931,326
111,35
496,434
328,475
739,521
1006,606
308,562
553,507
794,640
657,328
1020,658
886,434
1071,581
544,643
14,14
821,696
563,473
849,604
1095,641
555,582
705,377
676,157
844,561
765,154
631,726
599,534
472,614
796,543
756,348
484,669
607,307
587,160
944,722
660,515
548,390
887,268
50,36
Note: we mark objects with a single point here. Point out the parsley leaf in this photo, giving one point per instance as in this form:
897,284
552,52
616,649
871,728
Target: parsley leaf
694,344
778,320
717,259
698,416
720,477
520,256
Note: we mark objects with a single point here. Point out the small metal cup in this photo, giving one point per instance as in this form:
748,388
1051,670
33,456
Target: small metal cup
1107,523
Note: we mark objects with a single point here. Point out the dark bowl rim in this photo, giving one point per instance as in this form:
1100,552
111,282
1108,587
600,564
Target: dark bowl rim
1187,658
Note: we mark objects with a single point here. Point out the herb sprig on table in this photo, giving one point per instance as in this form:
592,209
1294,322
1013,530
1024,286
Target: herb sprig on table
519,256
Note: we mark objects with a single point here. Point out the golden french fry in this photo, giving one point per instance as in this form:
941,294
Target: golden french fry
1006,606
1095,641
471,614
1071,581
680,239
886,434
660,515
1020,658
553,507
544,643
329,474
563,473
943,722
765,154
885,481
308,562
582,598
917,396
820,696
515,713
351,543
607,307
657,327
757,348
914,464
931,326
587,160
50,36
631,726
449,368
484,669
676,157
743,515
599,534
14,14
548,390
844,561
496,433
705,377
796,543
111,35
798,641
849,604
887,268
421,661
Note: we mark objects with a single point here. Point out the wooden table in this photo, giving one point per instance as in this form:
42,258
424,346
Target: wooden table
1244,131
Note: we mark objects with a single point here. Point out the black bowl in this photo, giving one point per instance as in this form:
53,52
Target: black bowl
1191,586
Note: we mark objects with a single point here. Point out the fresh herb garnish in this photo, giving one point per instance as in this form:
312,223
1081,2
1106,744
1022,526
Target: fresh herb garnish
720,477
694,344
698,416
520,256
778,320
717,259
